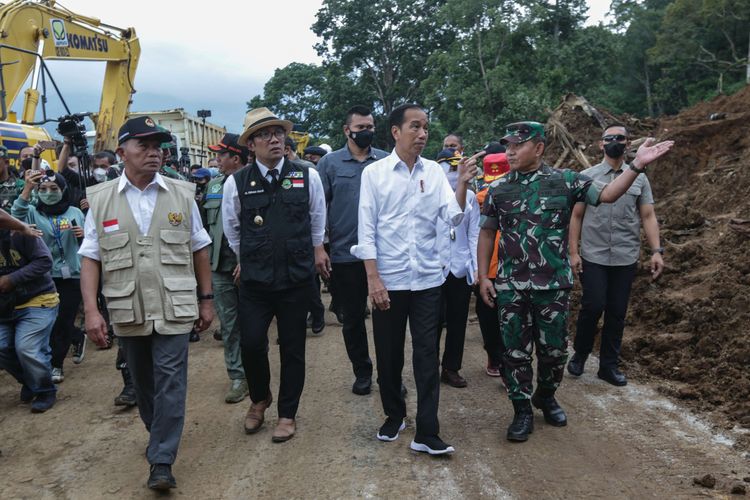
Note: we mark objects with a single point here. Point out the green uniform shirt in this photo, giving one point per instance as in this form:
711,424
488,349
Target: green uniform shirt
532,212
171,173
223,258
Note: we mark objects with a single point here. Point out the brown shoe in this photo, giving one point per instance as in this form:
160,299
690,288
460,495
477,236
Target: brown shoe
284,430
255,415
453,379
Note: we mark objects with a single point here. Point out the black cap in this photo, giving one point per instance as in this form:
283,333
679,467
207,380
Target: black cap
229,143
140,127
494,147
315,150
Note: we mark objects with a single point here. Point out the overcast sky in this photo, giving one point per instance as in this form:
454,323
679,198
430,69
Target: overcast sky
215,56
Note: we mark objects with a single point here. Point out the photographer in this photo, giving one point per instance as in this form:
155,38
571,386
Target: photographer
62,228
70,168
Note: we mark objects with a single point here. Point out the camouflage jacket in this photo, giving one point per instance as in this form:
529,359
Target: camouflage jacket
532,213
9,191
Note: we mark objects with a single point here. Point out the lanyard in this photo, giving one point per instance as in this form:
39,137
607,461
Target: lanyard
57,234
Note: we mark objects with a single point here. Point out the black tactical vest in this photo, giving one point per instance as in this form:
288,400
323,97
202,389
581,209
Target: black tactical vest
276,249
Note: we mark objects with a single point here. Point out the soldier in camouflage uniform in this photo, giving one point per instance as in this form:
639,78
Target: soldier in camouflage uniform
10,184
531,208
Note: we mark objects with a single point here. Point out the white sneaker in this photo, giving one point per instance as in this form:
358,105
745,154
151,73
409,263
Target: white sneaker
57,375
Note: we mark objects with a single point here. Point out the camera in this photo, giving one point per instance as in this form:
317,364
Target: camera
71,127
46,175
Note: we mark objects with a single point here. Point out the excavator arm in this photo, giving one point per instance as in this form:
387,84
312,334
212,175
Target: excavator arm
55,33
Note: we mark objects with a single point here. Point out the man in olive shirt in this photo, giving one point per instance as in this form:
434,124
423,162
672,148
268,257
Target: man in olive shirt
341,173
231,157
610,247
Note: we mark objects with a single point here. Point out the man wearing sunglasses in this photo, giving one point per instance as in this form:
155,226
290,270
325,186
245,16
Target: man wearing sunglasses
610,236
273,213
531,207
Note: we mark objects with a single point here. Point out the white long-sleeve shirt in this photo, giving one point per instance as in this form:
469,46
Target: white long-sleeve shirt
141,205
230,207
459,253
398,219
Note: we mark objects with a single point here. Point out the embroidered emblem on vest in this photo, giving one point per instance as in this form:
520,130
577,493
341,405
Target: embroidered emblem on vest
175,218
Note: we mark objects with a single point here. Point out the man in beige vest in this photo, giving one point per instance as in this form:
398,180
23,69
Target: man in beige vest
143,233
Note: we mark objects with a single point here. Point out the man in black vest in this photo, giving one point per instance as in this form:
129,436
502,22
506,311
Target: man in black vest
274,220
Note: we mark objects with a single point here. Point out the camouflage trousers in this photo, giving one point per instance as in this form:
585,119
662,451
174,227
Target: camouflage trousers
528,318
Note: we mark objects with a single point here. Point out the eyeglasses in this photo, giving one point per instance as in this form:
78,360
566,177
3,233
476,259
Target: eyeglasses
266,134
615,137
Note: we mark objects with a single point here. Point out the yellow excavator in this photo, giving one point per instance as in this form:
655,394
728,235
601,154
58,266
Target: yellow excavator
35,31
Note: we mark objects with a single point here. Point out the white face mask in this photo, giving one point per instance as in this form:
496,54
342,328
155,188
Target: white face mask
100,175
452,175
452,178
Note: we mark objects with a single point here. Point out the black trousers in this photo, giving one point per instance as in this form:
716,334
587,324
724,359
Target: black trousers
351,279
455,305
290,307
489,325
606,289
65,331
422,310
317,309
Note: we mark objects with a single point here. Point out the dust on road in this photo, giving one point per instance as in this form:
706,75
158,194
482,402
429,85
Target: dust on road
621,443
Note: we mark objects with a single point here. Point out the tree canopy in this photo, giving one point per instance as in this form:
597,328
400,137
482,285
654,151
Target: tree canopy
476,65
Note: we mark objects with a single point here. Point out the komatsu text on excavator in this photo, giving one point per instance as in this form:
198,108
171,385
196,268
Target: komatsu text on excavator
35,31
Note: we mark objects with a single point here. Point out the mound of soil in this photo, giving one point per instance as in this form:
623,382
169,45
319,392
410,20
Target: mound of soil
692,326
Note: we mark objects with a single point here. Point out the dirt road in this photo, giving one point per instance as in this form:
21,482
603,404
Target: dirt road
620,443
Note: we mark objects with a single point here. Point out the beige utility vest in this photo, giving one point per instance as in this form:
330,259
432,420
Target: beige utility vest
148,280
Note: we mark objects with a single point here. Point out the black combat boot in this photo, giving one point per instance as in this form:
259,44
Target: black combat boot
127,396
523,421
544,399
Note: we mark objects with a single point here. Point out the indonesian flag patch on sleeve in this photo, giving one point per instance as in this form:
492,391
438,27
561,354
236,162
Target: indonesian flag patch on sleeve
111,225
298,183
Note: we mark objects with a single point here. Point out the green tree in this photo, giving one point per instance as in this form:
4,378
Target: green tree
703,45
294,92
385,44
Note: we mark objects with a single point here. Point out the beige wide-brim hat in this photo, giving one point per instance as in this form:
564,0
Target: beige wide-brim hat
259,118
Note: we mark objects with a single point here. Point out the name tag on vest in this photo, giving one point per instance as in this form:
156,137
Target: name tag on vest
255,191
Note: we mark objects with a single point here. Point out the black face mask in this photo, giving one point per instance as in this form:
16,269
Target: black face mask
26,164
615,149
363,138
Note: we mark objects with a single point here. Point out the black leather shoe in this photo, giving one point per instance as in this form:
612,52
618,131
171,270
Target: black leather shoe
553,414
453,379
362,386
161,478
576,364
523,421
613,376
126,397
318,326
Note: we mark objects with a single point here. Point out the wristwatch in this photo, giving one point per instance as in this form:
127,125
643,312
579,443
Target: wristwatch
657,250
208,296
636,169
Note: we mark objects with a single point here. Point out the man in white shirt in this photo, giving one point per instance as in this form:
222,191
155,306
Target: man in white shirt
273,213
402,197
458,251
